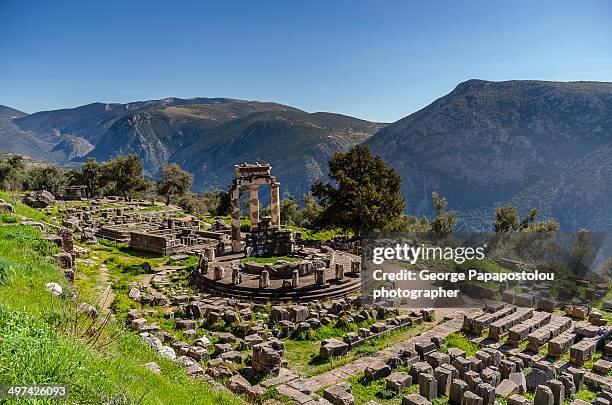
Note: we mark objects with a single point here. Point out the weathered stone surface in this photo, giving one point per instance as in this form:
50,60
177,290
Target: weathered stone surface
603,366
517,399
469,398
154,367
520,380
266,357
487,393
39,199
332,348
424,348
444,377
458,388
428,386
506,367
568,383
377,370
506,388
398,381
167,352
436,359
454,353
537,377
238,384
558,391
6,207
415,399
543,396
339,394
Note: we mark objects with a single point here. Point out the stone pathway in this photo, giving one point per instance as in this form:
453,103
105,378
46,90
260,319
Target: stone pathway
341,373
300,390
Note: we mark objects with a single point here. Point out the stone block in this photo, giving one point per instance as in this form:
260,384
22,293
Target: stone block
444,377
506,388
558,391
415,399
487,393
339,394
520,380
517,399
458,388
398,381
377,370
436,359
543,396
469,398
428,386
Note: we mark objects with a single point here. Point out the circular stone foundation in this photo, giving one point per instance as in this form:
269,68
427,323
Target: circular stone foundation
280,286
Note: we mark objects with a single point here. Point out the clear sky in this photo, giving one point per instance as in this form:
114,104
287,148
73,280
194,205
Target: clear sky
378,60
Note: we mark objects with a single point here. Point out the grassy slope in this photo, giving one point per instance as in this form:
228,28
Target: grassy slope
42,340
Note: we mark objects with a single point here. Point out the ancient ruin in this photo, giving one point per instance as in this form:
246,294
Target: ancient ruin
233,308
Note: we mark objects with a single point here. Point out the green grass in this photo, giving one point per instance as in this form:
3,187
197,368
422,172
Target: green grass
590,362
271,259
22,209
585,394
43,340
303,356
459,341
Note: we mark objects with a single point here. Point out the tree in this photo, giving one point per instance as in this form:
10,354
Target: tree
408,223
583,253
290,212
91,177
12,173
47,177
507,220
363,196
444,222
125,173
312,211
175,182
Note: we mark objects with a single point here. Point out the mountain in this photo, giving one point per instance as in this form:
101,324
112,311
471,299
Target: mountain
533,143
297,144
13,139
204,135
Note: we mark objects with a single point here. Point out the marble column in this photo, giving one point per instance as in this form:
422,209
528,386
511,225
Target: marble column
254,206
235,196
275,206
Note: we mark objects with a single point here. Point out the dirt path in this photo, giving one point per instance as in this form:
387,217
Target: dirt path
106,289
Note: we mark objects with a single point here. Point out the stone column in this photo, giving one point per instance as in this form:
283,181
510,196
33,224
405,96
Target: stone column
264,279
67,241
219,273
339,271
319,277
235,196
295,280
253,206
236,278
275,205
202,263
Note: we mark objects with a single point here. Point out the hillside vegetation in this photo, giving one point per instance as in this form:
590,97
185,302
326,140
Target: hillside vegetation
100,362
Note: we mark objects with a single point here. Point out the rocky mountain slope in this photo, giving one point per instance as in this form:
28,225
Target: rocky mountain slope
206,136
535,144
542,144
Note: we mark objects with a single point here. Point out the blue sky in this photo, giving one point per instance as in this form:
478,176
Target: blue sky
378,60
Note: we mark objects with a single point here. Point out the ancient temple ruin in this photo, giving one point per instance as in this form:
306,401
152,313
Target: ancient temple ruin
253,176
